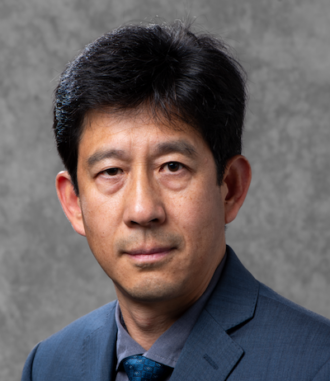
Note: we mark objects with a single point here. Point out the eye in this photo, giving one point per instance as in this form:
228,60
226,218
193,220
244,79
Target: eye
174,166
112,171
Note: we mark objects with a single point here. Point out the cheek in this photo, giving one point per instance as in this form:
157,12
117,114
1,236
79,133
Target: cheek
101,221
199,217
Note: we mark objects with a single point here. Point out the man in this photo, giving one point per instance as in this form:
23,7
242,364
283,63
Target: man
148,122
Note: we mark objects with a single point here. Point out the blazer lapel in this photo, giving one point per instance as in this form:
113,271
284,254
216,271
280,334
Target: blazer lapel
210,353
99,351
234,300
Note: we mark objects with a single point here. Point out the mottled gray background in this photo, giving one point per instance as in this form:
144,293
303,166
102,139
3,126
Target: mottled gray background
48,277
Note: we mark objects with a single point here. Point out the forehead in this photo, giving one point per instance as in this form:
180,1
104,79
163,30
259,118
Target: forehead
133,131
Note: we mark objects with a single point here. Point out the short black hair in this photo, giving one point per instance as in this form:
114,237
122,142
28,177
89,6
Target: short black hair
168,69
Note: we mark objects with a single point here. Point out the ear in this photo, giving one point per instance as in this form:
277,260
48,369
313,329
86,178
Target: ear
235,184
70,201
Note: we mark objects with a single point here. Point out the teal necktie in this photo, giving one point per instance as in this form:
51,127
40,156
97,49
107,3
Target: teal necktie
140,368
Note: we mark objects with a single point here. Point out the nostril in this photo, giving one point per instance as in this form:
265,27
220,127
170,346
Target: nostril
154,220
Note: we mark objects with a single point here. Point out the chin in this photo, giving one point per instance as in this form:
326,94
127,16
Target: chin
152,290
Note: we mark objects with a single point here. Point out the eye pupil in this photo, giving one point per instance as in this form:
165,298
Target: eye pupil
173,166
112,171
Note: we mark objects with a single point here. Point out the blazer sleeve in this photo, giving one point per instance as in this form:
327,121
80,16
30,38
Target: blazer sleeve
27,370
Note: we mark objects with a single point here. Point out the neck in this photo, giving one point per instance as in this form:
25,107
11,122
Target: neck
145,322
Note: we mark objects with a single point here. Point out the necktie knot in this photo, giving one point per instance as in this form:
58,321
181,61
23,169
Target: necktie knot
140,368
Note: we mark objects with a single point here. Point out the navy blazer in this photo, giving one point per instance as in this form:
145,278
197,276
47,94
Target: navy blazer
245,332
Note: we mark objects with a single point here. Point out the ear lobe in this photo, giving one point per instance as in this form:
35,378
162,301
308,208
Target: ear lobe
236,182
70,201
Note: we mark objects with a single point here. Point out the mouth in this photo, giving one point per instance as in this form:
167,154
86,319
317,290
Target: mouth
155,254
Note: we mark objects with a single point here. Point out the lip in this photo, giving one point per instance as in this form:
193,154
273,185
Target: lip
149,255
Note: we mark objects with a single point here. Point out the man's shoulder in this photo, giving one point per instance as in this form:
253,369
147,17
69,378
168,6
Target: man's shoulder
83,326
63,353
263,304
281,308
280,339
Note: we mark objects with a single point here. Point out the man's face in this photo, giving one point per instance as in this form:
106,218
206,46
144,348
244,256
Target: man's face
152,210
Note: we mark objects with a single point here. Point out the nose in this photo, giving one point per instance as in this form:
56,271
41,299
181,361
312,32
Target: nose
143,203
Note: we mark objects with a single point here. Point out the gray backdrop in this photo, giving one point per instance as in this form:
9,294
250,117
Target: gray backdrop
48,277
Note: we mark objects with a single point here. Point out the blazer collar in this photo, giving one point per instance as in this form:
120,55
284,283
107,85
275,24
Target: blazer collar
210,353
99,348
234,300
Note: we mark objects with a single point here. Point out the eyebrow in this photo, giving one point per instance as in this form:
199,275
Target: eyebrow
179,146
105,154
